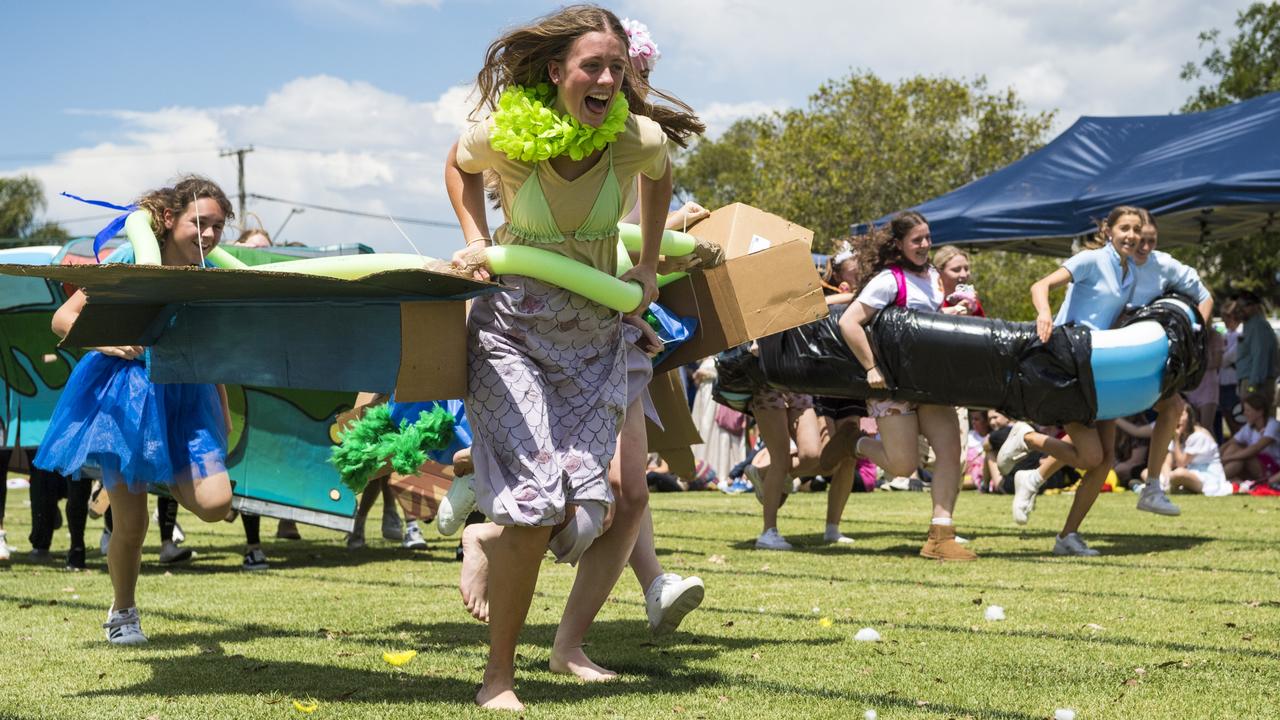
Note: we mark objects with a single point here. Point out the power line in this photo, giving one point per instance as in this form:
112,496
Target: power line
357,213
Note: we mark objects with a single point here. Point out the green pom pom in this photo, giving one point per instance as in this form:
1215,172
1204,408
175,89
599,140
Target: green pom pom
361,452
432,431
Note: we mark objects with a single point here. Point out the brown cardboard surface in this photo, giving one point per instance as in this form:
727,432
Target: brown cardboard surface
740,229
678,429
748,297
433,351
420,495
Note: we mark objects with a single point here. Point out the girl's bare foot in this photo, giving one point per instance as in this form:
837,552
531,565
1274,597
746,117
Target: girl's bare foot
573,661
499,697
474,582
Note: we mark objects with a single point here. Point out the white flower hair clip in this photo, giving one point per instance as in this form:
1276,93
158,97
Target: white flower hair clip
641,42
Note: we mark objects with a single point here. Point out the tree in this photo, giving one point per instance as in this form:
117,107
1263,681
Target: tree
21,199
1249,66
862,148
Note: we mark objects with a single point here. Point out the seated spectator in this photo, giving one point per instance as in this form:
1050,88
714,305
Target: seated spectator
1253,453
975,457
1193,464
660,477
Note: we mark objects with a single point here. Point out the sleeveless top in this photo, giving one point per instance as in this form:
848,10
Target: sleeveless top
531,219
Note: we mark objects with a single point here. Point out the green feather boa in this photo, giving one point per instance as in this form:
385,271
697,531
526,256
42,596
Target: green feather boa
527,128
373,440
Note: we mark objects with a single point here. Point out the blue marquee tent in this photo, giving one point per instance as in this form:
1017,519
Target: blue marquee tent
1207,176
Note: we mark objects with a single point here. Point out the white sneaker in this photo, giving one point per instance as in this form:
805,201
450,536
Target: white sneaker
124,627
669,599
171,553
837,538
413,539
899,483
392,528
104,542
1014,447
456,505
179,537
771,540
753,475
1073,544
1153,500
1025,485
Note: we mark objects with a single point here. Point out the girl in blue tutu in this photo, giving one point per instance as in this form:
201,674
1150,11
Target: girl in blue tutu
137,434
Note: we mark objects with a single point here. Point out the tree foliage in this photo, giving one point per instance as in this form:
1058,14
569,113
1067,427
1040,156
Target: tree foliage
21,200
1248,66
862,148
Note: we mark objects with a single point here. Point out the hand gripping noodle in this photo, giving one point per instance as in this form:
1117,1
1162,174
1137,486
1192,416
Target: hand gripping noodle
146,249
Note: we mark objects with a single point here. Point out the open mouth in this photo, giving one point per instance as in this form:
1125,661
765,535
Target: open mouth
596,104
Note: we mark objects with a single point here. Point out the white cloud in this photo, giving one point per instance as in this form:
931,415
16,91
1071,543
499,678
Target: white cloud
318,140
719,116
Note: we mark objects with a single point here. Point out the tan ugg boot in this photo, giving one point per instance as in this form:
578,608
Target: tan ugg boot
942,545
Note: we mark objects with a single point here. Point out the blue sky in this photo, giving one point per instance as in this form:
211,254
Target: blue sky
354,103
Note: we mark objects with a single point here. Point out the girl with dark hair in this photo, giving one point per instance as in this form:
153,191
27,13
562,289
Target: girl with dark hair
894,269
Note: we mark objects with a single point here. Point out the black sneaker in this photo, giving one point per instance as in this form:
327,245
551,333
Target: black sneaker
75,559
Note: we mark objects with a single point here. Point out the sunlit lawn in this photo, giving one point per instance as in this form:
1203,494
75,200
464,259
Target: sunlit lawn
1180,618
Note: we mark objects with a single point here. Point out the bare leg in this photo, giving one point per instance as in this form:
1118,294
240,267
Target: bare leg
515,557
644,556
941,428
1104,437
1167,411
474,581
124,554
1080,449
898,449
370,496
807,430
209,498
775,430
838,491
1185,480
603,562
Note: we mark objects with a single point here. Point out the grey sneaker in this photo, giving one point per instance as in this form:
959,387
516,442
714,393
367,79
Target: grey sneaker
254,560
669,599
1014,447
392,528
1153,500
1025,485
413,539
1073,544
170,553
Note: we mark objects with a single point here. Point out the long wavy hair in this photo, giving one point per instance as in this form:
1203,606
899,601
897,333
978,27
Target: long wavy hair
521,57
175,198
880,248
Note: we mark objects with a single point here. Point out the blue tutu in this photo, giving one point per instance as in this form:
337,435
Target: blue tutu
461,428
112,417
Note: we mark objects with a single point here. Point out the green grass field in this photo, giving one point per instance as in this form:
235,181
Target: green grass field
1179,619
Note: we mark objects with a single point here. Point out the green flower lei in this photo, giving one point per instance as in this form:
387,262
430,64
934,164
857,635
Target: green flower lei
526,128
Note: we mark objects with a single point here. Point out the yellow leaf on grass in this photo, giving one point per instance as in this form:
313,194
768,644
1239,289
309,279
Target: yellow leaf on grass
400,658
305,707
825,622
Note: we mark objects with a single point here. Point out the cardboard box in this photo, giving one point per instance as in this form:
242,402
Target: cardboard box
766,285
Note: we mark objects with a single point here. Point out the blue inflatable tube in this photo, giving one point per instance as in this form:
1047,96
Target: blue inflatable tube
1128,364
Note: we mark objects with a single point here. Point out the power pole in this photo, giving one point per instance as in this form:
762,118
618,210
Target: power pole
239,153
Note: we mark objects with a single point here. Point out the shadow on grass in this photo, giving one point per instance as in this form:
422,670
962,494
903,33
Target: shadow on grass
646,671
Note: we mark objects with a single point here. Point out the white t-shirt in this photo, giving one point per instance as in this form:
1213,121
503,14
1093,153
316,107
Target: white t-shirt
1203,458
924,294
1247,436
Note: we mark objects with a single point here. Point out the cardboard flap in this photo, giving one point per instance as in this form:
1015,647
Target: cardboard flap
433,351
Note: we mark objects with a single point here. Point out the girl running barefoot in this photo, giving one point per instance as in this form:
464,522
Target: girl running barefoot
111,417
896,270
547,392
